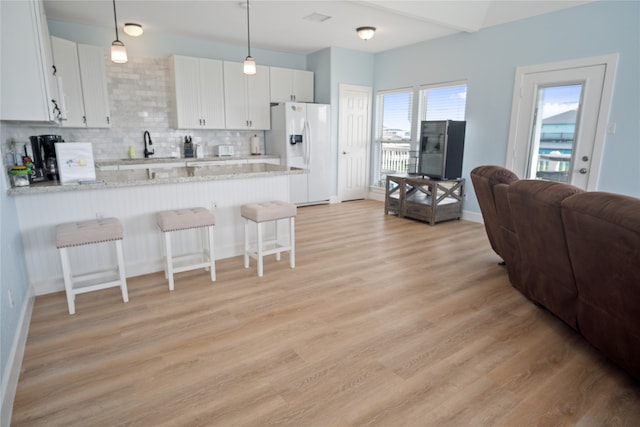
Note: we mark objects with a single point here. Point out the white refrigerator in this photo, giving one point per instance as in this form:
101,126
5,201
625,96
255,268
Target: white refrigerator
300,134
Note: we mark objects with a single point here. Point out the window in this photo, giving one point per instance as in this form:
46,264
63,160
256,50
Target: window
393,133
443,102
395,151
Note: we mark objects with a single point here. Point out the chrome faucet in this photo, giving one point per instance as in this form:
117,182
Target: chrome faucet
147,138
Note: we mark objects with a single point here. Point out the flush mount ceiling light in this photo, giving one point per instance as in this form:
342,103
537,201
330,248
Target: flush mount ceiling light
134,30
366,33
249,63
118,51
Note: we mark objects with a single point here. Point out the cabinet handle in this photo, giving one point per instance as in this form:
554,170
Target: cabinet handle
56,110
204,122
108,120
84,119
54,69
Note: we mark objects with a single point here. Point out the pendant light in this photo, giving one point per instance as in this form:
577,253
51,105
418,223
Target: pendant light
118,51
249,63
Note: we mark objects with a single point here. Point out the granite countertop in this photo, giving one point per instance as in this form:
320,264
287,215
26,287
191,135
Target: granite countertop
186,160
106,179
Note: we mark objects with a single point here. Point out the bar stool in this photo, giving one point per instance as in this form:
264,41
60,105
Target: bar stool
259,213
185,219
86,233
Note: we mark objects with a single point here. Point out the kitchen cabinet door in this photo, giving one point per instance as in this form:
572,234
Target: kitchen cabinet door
303,86
258,105
28,87
93,77
65,58
198,93
288,85
211,93
246,97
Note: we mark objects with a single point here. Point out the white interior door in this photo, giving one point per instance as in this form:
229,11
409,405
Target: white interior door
562,145
354,136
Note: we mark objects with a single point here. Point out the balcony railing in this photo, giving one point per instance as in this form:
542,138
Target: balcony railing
394,157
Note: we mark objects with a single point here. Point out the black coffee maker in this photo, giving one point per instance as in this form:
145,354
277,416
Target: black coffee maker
44,155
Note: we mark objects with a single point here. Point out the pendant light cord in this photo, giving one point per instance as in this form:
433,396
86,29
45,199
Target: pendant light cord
248,31
115,20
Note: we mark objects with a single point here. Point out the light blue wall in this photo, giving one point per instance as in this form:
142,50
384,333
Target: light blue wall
488,60
162,45
333,67
320,63
13,276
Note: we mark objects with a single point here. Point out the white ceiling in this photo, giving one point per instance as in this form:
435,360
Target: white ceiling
280,25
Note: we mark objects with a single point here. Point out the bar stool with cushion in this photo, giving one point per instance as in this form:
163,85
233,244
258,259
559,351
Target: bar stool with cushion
260,213
85,233
185,219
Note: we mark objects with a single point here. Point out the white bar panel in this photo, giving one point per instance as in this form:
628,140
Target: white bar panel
135,207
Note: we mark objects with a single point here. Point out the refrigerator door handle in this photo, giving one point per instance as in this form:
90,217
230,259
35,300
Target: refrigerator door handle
307,146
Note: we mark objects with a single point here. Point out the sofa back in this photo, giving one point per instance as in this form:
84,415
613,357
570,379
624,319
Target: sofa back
603,239
484,179
545,269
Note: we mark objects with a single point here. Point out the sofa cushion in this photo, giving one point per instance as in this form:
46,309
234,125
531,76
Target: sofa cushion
603,239
545,270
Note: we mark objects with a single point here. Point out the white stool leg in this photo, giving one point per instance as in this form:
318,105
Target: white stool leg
277,235
292,242
212,257
246,243
169,256
68,283
123,278
260,250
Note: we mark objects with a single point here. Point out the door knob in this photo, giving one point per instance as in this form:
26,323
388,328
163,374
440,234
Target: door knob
344,152
585,158
583,170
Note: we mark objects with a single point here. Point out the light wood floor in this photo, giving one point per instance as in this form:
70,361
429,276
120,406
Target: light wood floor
384,321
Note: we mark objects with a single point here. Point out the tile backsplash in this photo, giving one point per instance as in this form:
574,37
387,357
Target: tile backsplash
139,98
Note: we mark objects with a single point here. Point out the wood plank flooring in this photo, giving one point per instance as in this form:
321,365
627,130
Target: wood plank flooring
384,322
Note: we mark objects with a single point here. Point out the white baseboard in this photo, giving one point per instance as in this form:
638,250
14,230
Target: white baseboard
14,362
472,216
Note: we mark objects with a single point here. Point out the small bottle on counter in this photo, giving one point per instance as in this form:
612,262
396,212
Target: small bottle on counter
132,153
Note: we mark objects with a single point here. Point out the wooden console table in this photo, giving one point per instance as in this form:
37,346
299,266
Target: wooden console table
425,199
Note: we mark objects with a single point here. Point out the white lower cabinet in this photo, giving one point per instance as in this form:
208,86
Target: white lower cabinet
247,100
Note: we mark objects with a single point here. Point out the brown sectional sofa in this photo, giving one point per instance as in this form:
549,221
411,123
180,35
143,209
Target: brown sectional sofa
573,252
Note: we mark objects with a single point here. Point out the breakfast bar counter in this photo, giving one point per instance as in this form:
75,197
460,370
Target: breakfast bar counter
141,173
134,196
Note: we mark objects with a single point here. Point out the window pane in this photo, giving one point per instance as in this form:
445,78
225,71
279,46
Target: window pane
396,116
444,102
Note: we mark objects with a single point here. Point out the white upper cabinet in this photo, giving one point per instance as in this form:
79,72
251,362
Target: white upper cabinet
93,75
27,84
247,101
291,85
198,98
65,58
81,70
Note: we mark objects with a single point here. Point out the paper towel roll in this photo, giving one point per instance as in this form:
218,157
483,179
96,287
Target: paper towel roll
255,144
